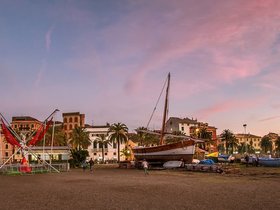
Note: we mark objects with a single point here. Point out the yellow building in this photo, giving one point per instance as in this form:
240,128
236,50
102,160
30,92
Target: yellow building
250,139
6,150
25,123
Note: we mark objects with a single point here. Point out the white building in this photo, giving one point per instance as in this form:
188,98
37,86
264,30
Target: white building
95,149
178,124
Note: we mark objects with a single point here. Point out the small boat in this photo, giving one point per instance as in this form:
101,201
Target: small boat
180,151
269,162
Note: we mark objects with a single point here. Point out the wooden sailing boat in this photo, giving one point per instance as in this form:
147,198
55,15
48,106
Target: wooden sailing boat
183,150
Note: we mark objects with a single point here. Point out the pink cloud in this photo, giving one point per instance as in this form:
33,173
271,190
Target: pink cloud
225,106
270,118
237,39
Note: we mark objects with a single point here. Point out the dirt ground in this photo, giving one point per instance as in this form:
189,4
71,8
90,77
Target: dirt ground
113,188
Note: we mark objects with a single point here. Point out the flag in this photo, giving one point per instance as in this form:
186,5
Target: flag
8,136
40,133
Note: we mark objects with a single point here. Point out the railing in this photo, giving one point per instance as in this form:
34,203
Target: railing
34,168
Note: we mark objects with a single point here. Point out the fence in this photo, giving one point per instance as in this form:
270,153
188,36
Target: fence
34,168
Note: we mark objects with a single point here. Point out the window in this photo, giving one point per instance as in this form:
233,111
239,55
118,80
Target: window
65,120
182,128
76,125
15,126
114,145
105,153
70,119
70,127
105,146
115,153
7,146
76,119
65,127
32,125
6,154
94,145
94,153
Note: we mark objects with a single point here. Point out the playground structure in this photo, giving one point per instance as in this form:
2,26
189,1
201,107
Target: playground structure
26,147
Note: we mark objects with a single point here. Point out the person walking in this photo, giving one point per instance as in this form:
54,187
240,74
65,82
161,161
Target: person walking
91,164
145,165
247,160
84,165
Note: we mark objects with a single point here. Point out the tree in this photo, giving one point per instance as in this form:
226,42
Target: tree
102,141
118,133
59,137
78,156
80,139
207,136
173,138
143,138
126,153
277,145
242,148
228,137
266,143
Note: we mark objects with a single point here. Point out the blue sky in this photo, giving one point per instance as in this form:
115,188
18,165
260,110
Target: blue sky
109,59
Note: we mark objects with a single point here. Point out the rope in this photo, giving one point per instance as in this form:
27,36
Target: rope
156,104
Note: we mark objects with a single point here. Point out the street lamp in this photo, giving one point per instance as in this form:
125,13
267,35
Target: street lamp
245,125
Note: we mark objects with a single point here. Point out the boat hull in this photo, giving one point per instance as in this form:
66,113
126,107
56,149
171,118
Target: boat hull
183,150
270,162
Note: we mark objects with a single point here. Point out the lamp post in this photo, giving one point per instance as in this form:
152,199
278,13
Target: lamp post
245,125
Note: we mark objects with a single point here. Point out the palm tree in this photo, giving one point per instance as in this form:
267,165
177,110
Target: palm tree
228,137
101,140
59,136
118,133
207,136
80,138
266,143
242,148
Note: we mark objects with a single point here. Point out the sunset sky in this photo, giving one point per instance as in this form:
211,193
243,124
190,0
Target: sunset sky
109,59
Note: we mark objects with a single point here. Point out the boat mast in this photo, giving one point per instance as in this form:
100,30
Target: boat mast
161,142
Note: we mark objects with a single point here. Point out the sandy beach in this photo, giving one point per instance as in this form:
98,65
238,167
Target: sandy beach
113,188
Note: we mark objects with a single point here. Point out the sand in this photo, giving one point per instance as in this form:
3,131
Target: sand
113,188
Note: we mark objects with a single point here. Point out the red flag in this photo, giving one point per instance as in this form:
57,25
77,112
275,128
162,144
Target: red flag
9,137
40,133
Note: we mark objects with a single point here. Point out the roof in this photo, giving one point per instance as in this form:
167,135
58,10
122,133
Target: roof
24,118
241,135
184,120
70,113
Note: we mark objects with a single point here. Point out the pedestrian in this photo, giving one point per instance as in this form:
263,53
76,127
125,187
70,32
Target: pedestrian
257,161
247,160
84,165
145,165
91,164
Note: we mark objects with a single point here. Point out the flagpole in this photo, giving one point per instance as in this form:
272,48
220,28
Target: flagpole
52,141
44,141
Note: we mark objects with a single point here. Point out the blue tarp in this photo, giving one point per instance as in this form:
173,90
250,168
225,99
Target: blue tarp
207,162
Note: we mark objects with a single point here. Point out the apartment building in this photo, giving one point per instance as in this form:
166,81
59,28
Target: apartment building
72,120
249,139
175,124
95,149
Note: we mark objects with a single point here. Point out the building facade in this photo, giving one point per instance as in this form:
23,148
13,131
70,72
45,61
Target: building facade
6,150
25,123
249,139
72,120
95,149
175,124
